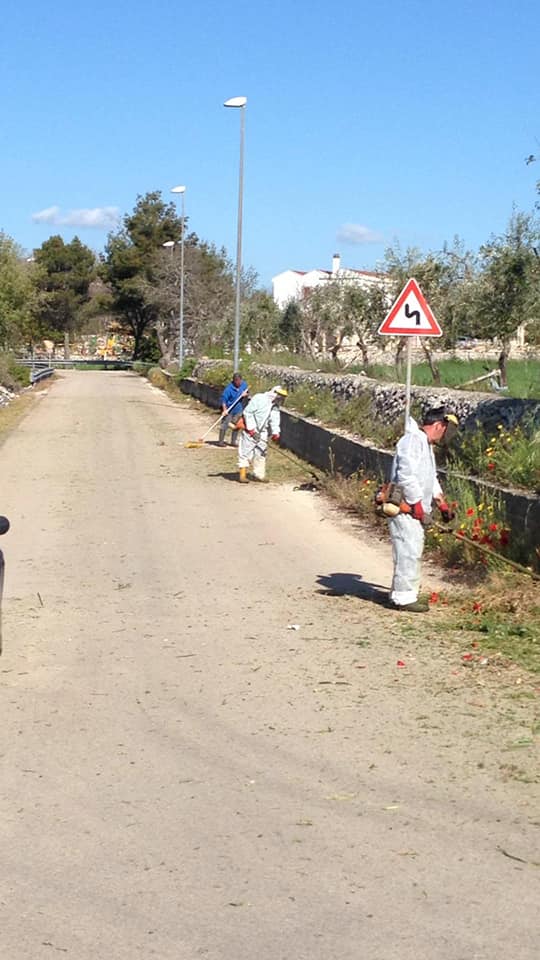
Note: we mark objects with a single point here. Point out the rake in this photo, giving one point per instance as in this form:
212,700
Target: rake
193,444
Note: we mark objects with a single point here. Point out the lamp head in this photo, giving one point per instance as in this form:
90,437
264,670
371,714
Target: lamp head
236,102
178,190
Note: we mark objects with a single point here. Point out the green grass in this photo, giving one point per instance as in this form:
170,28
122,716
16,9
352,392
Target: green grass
502,634
523,375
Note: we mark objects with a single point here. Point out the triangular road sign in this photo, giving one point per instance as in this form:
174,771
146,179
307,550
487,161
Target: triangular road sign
410,315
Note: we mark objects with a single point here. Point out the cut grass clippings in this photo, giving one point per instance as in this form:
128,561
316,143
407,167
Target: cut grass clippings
498,619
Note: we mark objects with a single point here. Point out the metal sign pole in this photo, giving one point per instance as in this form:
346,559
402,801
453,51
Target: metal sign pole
408,381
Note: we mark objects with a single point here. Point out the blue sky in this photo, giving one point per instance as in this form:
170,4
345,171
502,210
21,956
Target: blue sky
366,123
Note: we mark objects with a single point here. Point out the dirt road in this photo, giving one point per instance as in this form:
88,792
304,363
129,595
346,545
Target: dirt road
183,774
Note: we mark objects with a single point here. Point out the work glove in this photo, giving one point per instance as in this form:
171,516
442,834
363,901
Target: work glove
275,437
256,436
417,511
447,515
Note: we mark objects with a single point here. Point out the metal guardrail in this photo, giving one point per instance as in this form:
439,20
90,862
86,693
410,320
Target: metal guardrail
37,375
40,364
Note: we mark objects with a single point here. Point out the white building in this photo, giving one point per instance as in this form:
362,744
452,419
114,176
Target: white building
295,284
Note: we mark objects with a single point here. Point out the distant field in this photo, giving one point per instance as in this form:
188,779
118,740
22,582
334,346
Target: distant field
523,375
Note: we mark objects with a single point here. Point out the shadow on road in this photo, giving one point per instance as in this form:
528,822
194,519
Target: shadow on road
226,476
352,585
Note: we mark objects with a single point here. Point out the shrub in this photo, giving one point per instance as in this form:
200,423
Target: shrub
186,370
12,375
508,456
142,367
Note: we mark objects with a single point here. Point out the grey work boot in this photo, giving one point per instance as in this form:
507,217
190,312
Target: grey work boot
418,606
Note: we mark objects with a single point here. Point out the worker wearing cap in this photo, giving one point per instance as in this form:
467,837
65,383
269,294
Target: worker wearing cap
233,400
262,419
414,469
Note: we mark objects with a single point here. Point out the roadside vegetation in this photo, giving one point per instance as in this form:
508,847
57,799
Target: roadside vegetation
510,457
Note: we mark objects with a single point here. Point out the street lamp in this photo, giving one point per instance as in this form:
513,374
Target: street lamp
239,102
181,190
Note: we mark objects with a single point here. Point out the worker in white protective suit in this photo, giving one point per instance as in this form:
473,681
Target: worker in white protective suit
262,419
414,469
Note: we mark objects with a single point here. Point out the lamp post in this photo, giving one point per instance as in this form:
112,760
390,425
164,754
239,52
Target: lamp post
241,103
182,191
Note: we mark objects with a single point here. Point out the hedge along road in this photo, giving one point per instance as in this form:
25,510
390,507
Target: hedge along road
183,774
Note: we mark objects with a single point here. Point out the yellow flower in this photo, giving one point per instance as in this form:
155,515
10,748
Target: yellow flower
480,507
500,426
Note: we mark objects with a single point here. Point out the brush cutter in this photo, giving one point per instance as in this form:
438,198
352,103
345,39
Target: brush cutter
317,479
459,535
200,442
387,505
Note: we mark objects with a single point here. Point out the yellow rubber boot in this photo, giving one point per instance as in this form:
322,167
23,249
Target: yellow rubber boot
242,475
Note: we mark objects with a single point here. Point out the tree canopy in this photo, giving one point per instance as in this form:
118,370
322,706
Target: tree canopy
61,277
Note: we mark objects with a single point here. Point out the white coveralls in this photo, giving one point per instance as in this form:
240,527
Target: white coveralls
414,468
263,416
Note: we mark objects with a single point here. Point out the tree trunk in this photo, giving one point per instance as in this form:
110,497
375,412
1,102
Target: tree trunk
503,357
400,351
435,372
66,345
166,347
364,351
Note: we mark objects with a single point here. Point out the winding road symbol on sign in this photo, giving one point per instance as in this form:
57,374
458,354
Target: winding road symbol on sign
410,315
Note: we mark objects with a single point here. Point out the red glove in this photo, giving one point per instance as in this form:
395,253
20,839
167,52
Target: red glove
275,437
417,511
446,513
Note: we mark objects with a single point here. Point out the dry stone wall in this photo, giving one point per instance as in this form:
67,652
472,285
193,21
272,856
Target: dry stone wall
388,399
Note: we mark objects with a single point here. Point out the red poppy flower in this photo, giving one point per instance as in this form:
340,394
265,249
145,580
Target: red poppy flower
470,512
491,465
476,607
460,534
434,597
494,526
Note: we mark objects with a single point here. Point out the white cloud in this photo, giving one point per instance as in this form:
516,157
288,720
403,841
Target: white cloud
356,233
49,215
97,217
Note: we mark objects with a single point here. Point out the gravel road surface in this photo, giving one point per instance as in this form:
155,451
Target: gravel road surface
184,773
